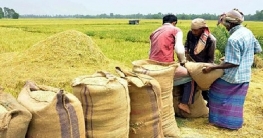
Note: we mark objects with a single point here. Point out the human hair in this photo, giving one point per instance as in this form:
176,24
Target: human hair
169,18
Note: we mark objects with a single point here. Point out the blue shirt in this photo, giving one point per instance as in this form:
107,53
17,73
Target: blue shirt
240,49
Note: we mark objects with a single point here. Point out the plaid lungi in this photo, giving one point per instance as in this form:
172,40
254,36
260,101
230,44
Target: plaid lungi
226,102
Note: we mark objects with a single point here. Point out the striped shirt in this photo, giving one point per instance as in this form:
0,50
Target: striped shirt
240,50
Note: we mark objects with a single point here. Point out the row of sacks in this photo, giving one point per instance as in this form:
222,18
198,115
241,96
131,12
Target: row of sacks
137,103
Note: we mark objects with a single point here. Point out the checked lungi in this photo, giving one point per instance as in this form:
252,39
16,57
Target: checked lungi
226,102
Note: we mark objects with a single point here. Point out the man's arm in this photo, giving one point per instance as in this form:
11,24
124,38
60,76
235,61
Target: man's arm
179,47
209,68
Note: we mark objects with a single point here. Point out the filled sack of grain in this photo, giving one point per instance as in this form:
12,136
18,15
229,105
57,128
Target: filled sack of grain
14,118
198,108
106,104
55,113
164,74
203,80
146,103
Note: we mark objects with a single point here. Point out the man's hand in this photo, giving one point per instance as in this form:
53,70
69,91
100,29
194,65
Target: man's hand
182,64
207,69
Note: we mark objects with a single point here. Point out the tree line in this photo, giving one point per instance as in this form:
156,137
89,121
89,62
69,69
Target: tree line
8,13
258,16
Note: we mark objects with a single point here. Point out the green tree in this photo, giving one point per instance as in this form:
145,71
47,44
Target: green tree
9,13
1,13
259,15
15,16
111,15
157,16
6,12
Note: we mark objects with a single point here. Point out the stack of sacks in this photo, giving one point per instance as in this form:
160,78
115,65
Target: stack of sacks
55,113
106,104
14,117
164,74
146,103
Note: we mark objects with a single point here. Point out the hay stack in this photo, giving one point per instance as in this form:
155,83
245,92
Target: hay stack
65,48
53,61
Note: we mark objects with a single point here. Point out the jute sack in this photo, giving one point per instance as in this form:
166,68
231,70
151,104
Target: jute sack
106,104
164,74
145,95
181,76
14,118
203,80
56,113
198,108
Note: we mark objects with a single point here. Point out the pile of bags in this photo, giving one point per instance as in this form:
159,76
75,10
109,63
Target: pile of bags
138,103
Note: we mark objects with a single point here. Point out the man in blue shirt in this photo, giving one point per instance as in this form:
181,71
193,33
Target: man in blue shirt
227,94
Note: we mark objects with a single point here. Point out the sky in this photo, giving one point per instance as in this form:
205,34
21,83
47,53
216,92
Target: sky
124,7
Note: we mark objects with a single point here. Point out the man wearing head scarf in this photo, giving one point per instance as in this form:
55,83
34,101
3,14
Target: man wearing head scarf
227,94
200,45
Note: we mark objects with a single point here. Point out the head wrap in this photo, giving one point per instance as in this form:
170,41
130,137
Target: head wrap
233,16
198,23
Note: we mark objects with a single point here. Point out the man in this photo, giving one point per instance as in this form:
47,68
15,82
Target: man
200,45
166,40
227,94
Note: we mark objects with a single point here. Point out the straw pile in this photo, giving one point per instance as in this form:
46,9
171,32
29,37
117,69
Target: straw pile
64,49
53,61
258,62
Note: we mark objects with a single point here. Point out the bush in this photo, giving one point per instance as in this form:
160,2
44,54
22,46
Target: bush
221,35
260,40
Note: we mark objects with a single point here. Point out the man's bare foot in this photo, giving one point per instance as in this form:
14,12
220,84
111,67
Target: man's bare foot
184,107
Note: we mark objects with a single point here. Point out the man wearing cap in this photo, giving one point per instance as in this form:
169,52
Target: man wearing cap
200,45
227,94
